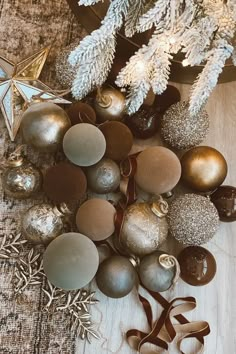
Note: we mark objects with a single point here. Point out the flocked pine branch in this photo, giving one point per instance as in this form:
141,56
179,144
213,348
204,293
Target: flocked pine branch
88,2
135,10
154,15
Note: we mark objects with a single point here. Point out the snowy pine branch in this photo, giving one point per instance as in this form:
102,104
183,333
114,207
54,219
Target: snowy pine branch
135,11
154,15
88,2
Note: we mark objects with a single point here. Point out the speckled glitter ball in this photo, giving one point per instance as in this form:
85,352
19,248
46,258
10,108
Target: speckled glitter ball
193,219
181,131
65,73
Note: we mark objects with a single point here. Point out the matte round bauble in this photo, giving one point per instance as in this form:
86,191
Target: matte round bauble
170,96
70,261
96,219
182,131
44,125
84,144
119,140
224,199
64,183
42,223
80,112
193,219
203,168
21,179
158,170
142,230
109,105
104,176
154,276
197,265
143,124
116,277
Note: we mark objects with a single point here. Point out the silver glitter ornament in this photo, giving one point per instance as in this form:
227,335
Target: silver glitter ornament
193,219
182,131
65,73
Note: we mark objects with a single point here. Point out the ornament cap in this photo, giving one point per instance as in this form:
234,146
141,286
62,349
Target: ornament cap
160,208
16,162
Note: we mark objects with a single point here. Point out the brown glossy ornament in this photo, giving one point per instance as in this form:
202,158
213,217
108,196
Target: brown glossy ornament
170,96
144,123
203,168
80,112
224,199
109,105
197,265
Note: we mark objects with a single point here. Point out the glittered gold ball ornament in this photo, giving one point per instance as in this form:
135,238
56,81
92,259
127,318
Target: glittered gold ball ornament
109,105
84,144
203,168
182,131
70,261
96,219
104,176
144,228
21,179
158,170
44,125
65,73
116,277
193,219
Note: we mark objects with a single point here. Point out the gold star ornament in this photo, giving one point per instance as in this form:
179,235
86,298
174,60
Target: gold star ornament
18,84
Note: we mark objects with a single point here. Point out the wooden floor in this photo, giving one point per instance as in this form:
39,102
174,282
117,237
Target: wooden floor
215,301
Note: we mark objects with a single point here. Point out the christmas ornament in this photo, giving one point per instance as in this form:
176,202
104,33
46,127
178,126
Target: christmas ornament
18,84
65,73
182,131
104,177
70,261
224,199
192,219
42,223
84,144
44,125
158,170
144,227
158,271
116,277
109,105
65,182
169,97
95,219
203,168
119,140
21,179
80,112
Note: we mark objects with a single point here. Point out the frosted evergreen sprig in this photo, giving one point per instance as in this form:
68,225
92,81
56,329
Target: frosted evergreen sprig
88,2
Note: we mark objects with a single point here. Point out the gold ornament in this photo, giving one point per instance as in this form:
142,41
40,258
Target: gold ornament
109,105
18,84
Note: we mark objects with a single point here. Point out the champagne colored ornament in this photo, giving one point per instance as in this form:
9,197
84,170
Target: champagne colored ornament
158,271
84,144
169,97
158,170
109,105
224,199
144,123
116,277
44,125
65,182
65,73
21,179
80,112
203,168
144,227
197,265
96,219
104,177
182,131
70,261
193,219
119,140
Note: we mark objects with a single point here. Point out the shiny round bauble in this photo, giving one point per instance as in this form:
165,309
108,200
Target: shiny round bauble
21,179
193,219
144,123
96,219
84,144
104,176
119,140
169,97
142,230
154,275
44,125
80,112
109,105
158,170
64,183
224,199
203,168
70,261
116,277
42,223
197,265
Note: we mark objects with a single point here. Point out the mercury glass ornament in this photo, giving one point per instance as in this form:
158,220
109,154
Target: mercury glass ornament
109,105
193,219
21,179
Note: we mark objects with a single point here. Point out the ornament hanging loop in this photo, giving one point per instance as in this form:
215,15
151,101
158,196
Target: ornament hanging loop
16,157
103,100
167,261
160,207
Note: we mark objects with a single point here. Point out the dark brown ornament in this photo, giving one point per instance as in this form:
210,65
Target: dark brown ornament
170,96
81,113
197,265
109,105
224,199
144,123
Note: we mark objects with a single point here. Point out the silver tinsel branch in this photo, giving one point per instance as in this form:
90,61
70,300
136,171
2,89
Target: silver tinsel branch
11,246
